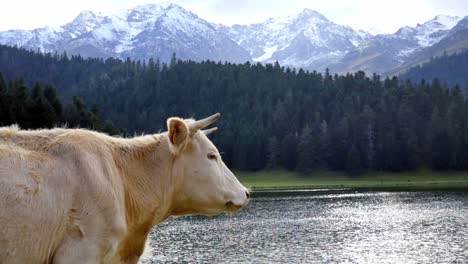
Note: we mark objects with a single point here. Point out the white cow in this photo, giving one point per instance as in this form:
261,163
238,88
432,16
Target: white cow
78,196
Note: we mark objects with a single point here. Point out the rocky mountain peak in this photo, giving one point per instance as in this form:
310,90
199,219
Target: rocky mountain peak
307,39
309,13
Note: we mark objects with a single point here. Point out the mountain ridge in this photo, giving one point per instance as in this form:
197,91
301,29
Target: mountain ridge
297,40
141,32
306,40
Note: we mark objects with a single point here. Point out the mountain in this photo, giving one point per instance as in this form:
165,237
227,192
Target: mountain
142,32
456,40
387,52
307,40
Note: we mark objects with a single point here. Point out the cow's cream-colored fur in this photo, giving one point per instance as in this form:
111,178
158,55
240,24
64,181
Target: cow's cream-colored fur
78,196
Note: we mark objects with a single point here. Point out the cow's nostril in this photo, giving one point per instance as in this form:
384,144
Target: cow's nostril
247,194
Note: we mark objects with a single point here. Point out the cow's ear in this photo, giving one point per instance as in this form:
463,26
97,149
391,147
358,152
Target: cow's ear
179,132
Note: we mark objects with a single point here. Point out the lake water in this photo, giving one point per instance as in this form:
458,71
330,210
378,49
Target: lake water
323,227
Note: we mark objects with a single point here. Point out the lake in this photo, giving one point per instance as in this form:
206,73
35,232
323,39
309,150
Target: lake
323,227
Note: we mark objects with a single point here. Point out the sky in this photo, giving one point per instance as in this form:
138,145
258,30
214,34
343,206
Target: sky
377,16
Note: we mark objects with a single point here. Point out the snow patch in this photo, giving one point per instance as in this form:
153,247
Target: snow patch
432,31
447,22
406,52
268,52
105,33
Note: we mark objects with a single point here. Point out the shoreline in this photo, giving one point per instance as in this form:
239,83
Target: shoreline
280,181
385,185
257,193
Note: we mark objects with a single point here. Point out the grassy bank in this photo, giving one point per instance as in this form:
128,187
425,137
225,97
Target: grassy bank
424,179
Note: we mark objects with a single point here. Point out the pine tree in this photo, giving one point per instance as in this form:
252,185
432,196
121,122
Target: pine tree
354,164
325,153
306,151
3,101
440,151
288,152
273,158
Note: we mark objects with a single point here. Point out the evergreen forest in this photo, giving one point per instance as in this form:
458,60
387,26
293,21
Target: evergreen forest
272,116
451,69
39,107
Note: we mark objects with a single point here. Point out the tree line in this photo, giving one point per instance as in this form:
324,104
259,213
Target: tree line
272,116
451,69
39,107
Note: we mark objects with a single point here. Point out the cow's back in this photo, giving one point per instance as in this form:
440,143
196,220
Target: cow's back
53,188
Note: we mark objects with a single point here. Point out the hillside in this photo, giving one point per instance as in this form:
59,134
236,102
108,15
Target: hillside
450,69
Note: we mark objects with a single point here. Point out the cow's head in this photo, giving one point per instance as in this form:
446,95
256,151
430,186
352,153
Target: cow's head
203,183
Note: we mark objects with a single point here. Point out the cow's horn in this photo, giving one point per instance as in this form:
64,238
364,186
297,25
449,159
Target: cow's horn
197,125
209,130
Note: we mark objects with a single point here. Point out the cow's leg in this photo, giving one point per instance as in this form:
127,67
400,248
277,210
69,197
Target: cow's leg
132,247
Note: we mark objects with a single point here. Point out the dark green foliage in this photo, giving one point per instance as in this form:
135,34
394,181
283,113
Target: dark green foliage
307,151
273,117
40,108
354,164
452,69
273,152
288,152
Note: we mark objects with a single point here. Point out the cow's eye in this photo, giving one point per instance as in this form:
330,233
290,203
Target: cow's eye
212,156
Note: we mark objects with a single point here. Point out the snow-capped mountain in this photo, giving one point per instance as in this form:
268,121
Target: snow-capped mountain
455,40
428,33
386,52
143,32
307,40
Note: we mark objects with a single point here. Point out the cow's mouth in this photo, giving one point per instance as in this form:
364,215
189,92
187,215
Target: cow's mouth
232,207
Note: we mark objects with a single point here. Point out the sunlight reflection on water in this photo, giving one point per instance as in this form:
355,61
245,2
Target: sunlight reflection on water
351,227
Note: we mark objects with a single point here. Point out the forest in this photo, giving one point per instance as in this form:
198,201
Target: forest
39,107
272,116
451,69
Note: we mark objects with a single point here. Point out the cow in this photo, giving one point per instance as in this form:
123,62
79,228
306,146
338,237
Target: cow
79,196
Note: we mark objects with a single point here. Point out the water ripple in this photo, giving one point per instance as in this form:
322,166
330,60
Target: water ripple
367,227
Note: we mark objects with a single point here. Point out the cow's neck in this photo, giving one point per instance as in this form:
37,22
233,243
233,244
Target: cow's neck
145,169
